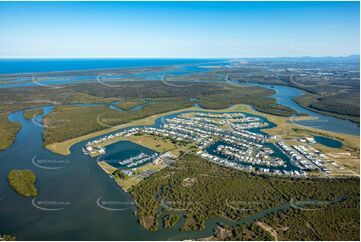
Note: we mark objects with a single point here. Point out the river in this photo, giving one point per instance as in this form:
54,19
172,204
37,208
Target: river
73,192
285,95
71,188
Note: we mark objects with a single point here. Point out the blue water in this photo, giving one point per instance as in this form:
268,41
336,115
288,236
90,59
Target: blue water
332,143
18,66
284,95
80,183
9,66
123,150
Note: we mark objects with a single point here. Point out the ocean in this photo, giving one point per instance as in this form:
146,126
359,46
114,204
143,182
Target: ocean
11,66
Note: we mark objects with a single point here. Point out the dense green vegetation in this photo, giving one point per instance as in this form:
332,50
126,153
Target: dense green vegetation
312,224
223,192
67,122
119,174
12,99
247,232
170,219
23,182
31,113
8,131
211,95
7,237
265,105
149,89
336,94
340,221
342,105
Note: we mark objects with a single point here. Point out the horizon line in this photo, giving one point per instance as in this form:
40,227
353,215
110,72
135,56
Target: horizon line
157,57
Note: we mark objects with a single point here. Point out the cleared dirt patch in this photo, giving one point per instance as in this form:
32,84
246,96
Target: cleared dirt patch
268,229
188,182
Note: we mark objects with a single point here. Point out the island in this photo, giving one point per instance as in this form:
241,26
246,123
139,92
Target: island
31,113
23,182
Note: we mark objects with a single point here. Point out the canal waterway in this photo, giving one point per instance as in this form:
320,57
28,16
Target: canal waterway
70,191
72,187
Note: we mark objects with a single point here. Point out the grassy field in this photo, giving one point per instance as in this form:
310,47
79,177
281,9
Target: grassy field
217,191
159,144
129,104
31,113
129,181
63,148
23,182
8,131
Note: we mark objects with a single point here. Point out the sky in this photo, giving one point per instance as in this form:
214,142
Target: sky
178,29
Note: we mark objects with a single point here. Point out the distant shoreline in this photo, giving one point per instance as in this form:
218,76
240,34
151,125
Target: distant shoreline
16,67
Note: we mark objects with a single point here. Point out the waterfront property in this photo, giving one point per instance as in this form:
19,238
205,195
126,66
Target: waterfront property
232,139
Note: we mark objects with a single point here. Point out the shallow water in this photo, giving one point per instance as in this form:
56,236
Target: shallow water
11,66
8,66
284,96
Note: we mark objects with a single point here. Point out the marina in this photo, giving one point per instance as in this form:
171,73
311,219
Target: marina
225,139
85,168
180,121
244,132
